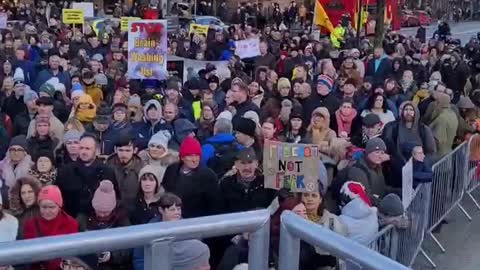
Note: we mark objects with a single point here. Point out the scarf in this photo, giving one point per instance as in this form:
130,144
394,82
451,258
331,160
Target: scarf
46,178
11,174
344,122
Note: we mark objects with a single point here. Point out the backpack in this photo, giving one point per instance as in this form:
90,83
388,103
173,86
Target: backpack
223,159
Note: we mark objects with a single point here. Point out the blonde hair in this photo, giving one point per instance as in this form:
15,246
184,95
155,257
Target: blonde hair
75,125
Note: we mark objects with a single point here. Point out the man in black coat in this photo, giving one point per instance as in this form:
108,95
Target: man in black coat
245,190
197,186
79,180
380,67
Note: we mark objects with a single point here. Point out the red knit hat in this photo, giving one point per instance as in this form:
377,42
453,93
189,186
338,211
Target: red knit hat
190,146
355,190
51,193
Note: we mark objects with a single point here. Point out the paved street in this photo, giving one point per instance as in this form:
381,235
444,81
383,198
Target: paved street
460,238
463,30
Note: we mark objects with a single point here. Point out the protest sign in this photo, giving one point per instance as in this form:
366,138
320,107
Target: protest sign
291,165
3,20
86,7
198,29
407,184
247,48
192,67
73,16
147,46
124,22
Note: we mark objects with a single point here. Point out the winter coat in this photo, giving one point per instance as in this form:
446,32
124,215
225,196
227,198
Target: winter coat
143,213
38,146
160,165
315,100
21,123
239,197
444,128
96,93
45,178
422,172
119,259
22,217
8,228
398,137
106,139
11,173
360,220
45,75
39,227
79,182
245,107
13,106
380,73
376,185
267,60
205,130
208,149
127,178
144,131
198,190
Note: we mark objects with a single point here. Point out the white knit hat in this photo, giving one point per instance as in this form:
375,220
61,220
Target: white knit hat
225,115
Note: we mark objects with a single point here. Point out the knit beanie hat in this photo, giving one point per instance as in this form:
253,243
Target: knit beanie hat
48,89
72,135
18,76
391,205
134,101
465,103
252,115
375,144
283,83
19,140
245,126
190,146
325,80
189,254
77,90
29,95
51,193
322,111
352,190
157,171
225,115
101,79
104,197
162,138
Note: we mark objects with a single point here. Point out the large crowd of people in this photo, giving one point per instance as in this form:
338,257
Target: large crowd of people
84,148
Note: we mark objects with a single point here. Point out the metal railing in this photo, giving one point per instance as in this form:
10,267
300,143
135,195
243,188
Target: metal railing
155,237
294,228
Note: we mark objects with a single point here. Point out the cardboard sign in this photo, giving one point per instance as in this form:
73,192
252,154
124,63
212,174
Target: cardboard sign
247,48
199,29
86,7
147,49
73,16
124,22
292,166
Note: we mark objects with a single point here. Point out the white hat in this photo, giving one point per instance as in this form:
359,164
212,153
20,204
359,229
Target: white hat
225,115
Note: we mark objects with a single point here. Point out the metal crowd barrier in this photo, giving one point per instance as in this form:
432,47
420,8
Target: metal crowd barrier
473,165
410,239
294,228
156,239
448,187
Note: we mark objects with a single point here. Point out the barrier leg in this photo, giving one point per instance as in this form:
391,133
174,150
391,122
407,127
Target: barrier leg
258,248
158,255
289,253
430,261
437,242
464,212
474,200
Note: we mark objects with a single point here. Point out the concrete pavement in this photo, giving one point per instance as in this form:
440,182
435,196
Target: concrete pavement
462,30
461,239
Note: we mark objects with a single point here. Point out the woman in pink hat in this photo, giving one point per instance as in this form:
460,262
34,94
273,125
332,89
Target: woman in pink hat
51,221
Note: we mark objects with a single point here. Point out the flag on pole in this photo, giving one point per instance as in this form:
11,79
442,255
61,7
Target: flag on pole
321,17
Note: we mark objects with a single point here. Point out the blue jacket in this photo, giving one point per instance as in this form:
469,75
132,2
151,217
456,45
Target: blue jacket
138,256
144,131
208,150
28,68
47,74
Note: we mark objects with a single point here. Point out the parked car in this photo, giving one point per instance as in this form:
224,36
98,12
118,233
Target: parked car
210,20
423,17
409,19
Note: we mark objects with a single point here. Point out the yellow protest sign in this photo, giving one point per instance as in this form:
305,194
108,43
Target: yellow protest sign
124,22
73,16
199,29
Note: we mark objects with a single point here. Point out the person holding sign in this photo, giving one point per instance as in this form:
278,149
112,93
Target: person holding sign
244,189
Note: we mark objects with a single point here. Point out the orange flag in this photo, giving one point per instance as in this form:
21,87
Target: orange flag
321,17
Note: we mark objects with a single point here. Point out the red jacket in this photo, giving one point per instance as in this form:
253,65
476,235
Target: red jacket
39,227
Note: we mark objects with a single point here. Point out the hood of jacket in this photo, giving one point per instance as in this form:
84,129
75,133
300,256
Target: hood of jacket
149,103
416,119
358,209
222,138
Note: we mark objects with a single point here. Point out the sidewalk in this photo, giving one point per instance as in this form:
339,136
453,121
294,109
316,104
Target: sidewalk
460,238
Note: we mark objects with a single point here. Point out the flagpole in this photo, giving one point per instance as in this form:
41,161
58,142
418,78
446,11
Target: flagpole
359,21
